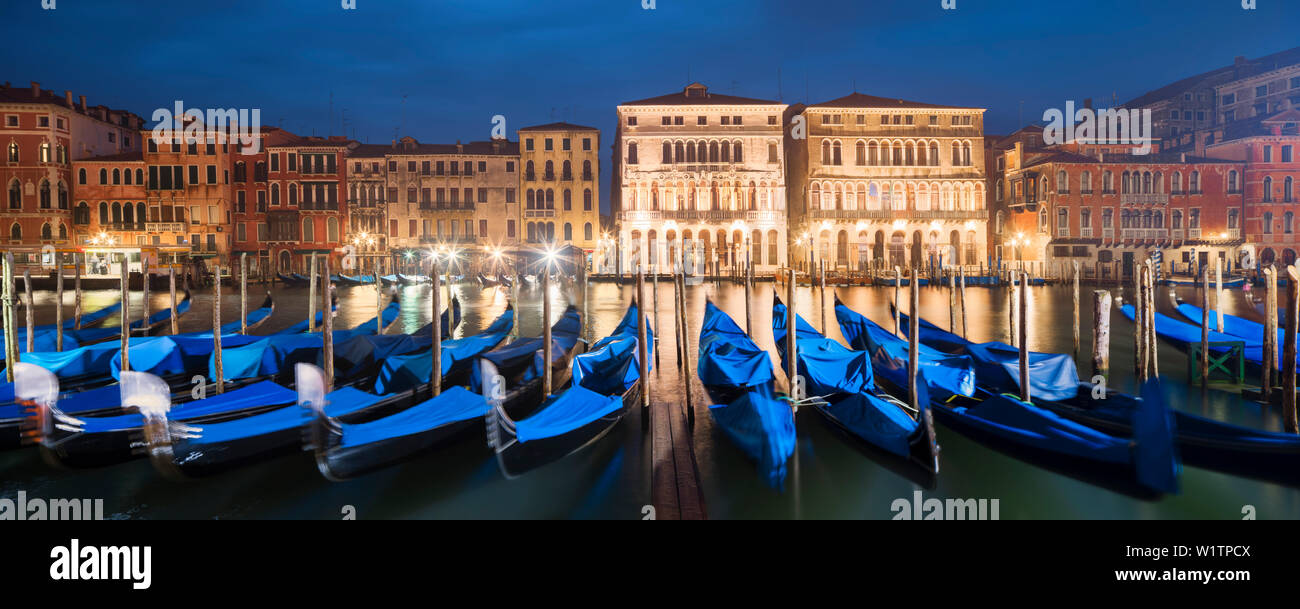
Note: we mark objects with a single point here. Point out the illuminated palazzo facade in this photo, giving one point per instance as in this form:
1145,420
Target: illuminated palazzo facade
885,182
702,174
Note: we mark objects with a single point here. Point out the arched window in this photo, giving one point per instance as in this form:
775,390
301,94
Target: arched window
956,154
1196,182
586,199
1108,183
16,232
568,199
934,154
293,193
45,194
668,153
81,175
550,198
530,171
726,153
836,157
63,195
13,152
1287,187
631,153
128,213
873,154
1062,182
275,194
1268,223
1232,181
568,231
117,176
965,154
45,152
332,229
826,152
81,215
63,231
308,230
549,171
1288,223
586,231
679,152
139,176
566,170
1085,183
103,212
586,167
103,175
46,232
860,154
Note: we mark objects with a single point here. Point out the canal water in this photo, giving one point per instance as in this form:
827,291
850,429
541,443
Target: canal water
830,477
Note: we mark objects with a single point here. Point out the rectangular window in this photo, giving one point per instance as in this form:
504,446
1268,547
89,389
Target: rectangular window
482,230
631,121
212,174
1286,154
550,144
564,144
275,161
510,195
194,174
1268,154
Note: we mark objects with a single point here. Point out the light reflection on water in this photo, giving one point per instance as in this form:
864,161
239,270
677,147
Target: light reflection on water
829,477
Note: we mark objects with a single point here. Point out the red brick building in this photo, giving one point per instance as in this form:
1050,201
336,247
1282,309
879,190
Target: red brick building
1060,206
289,202
1268,150
42,134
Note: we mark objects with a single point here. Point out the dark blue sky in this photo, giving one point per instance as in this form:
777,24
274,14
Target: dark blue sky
458,62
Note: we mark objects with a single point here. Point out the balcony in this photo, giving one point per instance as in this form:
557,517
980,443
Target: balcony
1085,232
1148,198
539,213
901,214
437,240
164,227
712,215
1144,233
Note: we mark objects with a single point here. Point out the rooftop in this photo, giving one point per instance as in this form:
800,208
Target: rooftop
696,94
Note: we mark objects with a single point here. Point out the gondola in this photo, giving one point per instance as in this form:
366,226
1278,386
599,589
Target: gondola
95,428
486,281
606,384
412,279
184,449
345,280
46,342
520,363
1184,335
737,374
1055,386
1240,328
1148,461
506,281
390,280
88,320
848,397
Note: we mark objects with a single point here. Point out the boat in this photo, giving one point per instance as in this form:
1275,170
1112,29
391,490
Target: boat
847,395
390,280
91,424
1055,385
1148,461
606,383
530,279
520,363
412,279
345,280
737,374
181,448
88,320
506,281
1184,335
46,342
486,281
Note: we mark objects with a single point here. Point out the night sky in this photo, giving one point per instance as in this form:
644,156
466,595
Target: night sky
458,62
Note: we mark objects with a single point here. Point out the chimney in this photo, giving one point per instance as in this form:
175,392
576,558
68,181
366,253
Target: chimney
36,89
83,104
67,98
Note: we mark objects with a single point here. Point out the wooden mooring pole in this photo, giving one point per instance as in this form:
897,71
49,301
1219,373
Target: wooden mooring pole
144,295
1139,323
58,304
1270,333
126,315
311,299
642,348
1101,333
1205,327
327,326
216,334
171,289
822,264
1076,311
1024,337
11,329
1218,293
791,347
77,260
243,294
913,345
898,304
965,323
1289,351
435,295
30,311
546,332
683,322
1153,354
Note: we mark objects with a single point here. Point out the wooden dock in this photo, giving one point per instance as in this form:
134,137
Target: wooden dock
674,478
